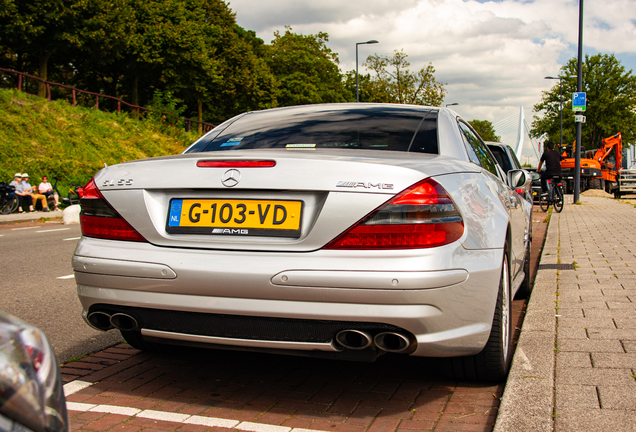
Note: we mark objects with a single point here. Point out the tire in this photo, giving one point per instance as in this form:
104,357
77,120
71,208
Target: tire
493,362
10,206
558,200
595,183
135,340
543,202
526,286
617,194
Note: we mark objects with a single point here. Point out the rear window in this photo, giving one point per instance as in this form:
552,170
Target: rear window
501,156
329,127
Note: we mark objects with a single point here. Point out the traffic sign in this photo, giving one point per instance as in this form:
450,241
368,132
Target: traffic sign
578,101
579,119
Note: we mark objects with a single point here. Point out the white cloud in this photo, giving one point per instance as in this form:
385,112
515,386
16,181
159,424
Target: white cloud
493,55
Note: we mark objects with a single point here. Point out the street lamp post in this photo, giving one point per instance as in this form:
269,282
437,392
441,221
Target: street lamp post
560,78
357,83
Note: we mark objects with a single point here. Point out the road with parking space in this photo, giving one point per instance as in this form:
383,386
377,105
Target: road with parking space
38,286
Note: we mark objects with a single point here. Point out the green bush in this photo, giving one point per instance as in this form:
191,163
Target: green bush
73,143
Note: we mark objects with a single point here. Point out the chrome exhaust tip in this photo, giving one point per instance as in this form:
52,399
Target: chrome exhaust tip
123,322
392,342
99,320
354,339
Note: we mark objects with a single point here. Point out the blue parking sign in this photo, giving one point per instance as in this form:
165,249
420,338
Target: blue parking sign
578,101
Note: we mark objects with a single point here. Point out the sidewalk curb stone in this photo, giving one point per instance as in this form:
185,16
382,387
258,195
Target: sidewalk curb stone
527,403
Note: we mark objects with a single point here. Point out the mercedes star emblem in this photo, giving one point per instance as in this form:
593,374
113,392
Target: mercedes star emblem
231,178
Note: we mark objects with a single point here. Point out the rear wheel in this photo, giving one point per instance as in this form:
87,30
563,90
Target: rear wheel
595,183
10,206
73,198
543,201
558,200
493,362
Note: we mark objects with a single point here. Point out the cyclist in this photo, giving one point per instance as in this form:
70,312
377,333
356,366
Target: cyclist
552,160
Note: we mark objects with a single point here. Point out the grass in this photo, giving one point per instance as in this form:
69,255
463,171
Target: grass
73,143
75,359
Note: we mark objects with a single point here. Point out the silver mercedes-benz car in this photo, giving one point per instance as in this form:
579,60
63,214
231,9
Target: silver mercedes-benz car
338,230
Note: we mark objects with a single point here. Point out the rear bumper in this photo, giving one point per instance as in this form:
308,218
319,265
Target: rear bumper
445,312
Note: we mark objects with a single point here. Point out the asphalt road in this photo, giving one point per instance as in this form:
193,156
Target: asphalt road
37,286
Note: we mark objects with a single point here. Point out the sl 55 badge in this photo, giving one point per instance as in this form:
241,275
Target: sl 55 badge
117,182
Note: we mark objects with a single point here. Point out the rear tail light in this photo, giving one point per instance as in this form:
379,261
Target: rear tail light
520,191
422,216
98,219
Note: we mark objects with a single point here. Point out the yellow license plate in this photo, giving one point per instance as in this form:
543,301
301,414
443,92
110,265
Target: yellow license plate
241,217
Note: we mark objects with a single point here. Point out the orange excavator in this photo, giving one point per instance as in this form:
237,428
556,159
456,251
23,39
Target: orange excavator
591,174
614,179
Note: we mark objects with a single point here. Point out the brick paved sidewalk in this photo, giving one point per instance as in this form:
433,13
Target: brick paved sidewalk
578,368
124,389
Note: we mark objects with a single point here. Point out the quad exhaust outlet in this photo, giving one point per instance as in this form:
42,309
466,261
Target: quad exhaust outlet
392,342
354,339
104,321
386,341
100,320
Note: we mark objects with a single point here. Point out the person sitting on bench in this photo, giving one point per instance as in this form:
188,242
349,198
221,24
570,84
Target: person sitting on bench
27,190
46,189
17,179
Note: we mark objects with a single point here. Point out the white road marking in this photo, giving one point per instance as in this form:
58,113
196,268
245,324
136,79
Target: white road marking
16,229
114,409
67,277
72,238
51,230
260,427
211,421
164,416
77,385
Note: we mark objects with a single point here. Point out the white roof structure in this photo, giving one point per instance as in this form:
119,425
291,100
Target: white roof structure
515,132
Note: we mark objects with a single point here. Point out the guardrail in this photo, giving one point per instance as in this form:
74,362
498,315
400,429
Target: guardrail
75,91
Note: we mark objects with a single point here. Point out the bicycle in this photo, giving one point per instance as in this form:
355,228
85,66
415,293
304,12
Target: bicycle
75,192
554,196
8,200
50,200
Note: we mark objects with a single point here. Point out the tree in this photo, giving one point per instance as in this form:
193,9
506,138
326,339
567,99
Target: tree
395,83
244,81
485,130
305,68
611,103
33,31
122,43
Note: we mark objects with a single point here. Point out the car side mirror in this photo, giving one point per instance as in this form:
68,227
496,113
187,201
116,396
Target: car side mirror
518,178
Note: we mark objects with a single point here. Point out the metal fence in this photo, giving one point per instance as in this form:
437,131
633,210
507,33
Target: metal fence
26,82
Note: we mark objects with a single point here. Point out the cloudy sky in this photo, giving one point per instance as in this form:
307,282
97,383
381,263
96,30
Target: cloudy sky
493,55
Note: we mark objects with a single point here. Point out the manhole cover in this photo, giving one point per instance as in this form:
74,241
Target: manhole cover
556,267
